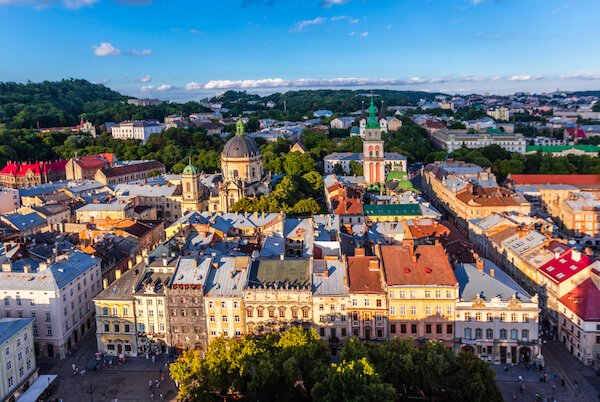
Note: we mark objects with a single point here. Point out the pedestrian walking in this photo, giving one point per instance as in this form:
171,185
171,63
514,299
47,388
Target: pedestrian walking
73,365
76,370
156,383
149,384
515,396
153,358
520,379
162,376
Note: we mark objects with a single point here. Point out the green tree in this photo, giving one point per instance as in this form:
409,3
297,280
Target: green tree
297,164
353,381
307,207
470,379
253,125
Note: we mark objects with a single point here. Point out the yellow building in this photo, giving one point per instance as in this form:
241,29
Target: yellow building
450,185
115,316
368,302
223,297
278,295
422,291
330,299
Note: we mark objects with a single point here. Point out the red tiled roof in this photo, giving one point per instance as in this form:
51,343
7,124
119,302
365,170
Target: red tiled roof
572,179
38,168
92,161
430,268
584,301
565,266
362,279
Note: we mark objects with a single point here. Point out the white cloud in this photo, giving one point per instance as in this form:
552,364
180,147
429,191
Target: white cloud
143,52
145,78
194,31
524,77
581,76
364,34
160,88
339,18
355,21
193,86
105,49
306,23
352,33
476,2
330,3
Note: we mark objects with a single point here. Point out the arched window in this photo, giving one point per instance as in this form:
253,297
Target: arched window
104,310
489,333
513,317
115,311
477,316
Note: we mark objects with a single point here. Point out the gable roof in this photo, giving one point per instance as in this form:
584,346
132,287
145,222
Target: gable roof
363,279
584,301
37,168
430,267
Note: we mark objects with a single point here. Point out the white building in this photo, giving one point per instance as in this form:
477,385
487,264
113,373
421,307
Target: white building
451,140
579,321
480,124
392,161
499,113
58,295
136,130
17,360
9,200
495,318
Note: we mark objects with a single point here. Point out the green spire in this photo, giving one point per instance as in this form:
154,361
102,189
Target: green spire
372,121
239,127
190,169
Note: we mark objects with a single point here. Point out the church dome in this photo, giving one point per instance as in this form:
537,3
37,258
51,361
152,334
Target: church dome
240,146
190,170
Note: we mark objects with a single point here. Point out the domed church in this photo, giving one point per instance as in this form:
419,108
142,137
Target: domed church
242,170
242,176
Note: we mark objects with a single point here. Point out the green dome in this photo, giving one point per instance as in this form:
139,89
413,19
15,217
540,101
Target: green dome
190,170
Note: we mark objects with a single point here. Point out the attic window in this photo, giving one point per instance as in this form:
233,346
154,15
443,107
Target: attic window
428,270
560,276
406,270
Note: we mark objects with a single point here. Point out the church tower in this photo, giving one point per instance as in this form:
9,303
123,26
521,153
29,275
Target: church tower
373,157
191,189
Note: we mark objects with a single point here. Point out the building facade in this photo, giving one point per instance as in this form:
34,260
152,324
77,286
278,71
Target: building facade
18,367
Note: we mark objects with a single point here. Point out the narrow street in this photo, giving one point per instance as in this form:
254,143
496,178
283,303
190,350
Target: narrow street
581,381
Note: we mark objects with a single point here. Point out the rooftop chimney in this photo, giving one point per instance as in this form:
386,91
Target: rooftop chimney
479,263
373,265
556,255
359,252
492,272
6,267
576,255
117,274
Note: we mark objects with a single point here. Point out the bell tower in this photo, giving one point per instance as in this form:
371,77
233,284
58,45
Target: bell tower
373,156
191,189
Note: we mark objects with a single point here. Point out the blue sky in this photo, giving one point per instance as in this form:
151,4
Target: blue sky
190,49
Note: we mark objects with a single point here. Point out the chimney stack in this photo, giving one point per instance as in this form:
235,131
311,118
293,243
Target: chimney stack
117,274
359,252
373,265
492,272
479,263
576,255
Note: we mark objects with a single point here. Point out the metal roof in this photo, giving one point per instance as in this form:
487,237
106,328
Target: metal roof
392,210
